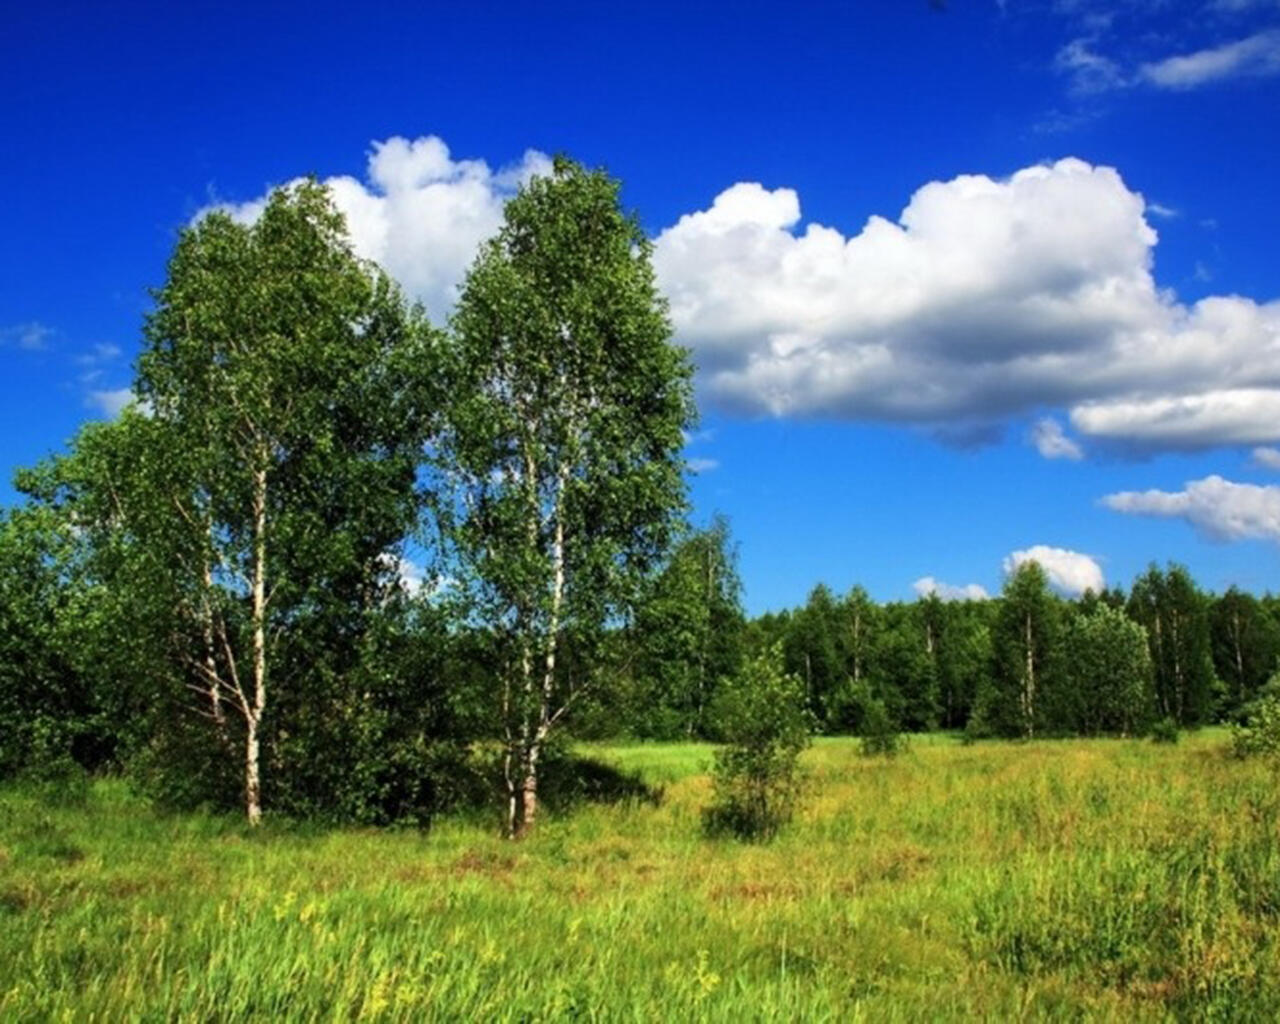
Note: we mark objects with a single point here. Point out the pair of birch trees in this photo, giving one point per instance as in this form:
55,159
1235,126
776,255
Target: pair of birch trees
302,412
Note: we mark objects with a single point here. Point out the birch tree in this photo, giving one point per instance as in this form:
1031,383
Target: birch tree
1026,653
1175,614
1246,642
562,453
686,637
284,375
1108,669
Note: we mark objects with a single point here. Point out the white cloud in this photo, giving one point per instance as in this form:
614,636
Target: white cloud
1070,572
102,352
1231,416
986,299
420,213
702,465
1160,210
1267,458
1235,6
1217,508
1255,55
1052,443
412,577
31,336
111,403
1089,71
927,585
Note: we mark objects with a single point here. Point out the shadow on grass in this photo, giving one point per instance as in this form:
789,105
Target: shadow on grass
569,781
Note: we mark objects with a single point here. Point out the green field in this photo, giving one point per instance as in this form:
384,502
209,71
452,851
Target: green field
1101,879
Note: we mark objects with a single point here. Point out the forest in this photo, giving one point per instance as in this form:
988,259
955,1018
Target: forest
339,568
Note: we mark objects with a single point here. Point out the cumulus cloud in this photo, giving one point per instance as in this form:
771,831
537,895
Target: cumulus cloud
1219,509
1255,55
927,585
1070,572
985,299
1229,416
419,212
1052,443
1267,458
111,403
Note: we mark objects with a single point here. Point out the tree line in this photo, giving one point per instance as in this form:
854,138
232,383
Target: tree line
1025,663
211,592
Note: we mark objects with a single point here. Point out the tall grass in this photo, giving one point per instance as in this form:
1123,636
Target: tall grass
1095,879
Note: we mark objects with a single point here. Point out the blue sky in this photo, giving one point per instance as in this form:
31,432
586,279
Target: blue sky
960,282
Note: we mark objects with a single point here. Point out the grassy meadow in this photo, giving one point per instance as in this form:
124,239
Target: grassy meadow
1097,879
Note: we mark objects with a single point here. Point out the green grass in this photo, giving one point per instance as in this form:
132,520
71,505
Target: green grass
1095,879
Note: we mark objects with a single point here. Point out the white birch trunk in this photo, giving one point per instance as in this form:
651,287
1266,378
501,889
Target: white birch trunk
1029,684
253,718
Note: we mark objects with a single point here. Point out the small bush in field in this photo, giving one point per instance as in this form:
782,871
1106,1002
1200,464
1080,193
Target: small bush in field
1164,731
765,724
1260,733
880,736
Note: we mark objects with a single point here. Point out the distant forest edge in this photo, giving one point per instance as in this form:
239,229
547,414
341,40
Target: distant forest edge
213,593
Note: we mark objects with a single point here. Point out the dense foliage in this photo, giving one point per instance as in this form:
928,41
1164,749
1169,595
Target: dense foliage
1259,732
559,461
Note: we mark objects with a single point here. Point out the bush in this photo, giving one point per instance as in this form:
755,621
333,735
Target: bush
880,736
1164,731
765,723
1260,733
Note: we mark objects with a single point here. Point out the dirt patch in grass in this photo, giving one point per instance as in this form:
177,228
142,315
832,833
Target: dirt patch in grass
14,900
757,892
488,863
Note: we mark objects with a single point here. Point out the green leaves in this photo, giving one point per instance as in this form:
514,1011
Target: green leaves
1109,673
765,724
559,467
567,404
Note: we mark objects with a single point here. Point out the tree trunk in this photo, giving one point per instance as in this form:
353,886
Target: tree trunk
1029,684
1162,677
1179,695
252,778
705,612
211,661
529,795
519,823
1235,636
252,782
857,647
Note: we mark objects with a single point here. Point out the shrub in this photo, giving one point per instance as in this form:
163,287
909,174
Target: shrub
879,732
1164,731
1260,733
765,724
